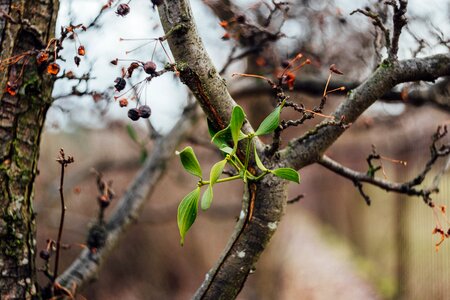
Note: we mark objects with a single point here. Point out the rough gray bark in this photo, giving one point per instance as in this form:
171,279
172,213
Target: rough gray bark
21,121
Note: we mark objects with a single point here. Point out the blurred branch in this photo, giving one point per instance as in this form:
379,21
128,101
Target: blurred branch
399,21
86,266
407,188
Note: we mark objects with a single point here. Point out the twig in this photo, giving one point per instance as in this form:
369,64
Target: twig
295,199
63,161
408,187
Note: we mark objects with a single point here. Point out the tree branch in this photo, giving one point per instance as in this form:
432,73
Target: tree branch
309,148
437,95
264,202
358,177
86,266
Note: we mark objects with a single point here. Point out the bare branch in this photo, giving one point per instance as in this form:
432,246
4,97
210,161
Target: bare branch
310,147
85,267
400,21
408,187
358,177
437,95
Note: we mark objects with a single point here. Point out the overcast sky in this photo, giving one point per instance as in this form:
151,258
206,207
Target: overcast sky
164,95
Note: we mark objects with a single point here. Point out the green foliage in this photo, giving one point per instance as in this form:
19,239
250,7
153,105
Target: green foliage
287,173
187,212
270,123
227,141
236,122
190,161
207,198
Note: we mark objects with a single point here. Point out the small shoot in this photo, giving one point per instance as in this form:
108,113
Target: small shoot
224,139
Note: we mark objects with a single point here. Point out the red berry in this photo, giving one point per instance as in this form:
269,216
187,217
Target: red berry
81,51
133,114
145,111
123,102
150,67
53,69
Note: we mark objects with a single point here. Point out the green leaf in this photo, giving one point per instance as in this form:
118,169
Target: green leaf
207,198
287,173
226,149
216,171
190,162
259,162
187,212
237,119
270,123
132,133
143,155
222,136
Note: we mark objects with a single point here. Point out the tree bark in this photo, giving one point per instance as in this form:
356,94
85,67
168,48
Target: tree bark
29,25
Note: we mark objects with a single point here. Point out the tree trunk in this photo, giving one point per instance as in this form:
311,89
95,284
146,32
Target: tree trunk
28,25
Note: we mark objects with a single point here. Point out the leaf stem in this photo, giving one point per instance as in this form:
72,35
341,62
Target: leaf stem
205,182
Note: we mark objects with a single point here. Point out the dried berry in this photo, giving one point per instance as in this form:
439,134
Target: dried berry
70,75
44,254
157,2
81,51
240,18
131,68
150,67
115,61
77,60
145,111
123,10
226,36
103,201
120,83
53,69
41,57
285,63
11,88
123,102
224,24
133,114
335,70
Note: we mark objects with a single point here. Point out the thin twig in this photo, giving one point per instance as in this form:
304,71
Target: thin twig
63,161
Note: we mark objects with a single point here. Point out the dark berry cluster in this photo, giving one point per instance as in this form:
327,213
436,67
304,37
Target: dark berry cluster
143,111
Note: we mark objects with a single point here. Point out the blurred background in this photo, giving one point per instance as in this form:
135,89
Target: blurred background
330,245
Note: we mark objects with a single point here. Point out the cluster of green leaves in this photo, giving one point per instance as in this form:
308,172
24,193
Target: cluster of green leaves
231,135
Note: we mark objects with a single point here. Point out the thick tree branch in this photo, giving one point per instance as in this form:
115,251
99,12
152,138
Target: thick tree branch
437,95
86,266
264,201
310,147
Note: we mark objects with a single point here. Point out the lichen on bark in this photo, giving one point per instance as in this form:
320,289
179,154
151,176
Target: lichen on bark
21,121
